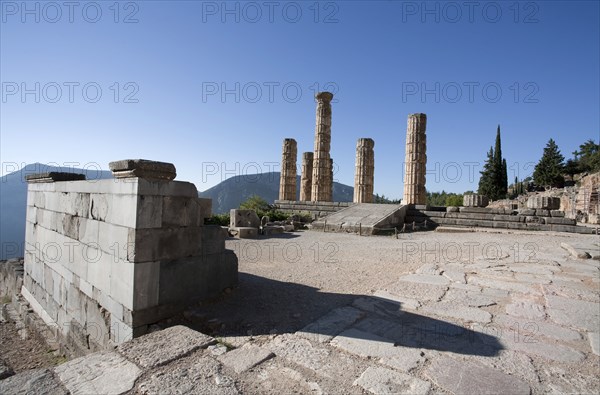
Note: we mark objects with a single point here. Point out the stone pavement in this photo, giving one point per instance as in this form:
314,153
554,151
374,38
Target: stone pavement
492,326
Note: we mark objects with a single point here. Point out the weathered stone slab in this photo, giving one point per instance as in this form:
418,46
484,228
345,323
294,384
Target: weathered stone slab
459,312
245,358
425,279
467,298
417,291
364,344
455,276
328,326
98,373
560,221
33,382
161,347
299,351
575,313
578,253
462,377
525,327
5,370
543,202
557,213
526,309
243,218
529,343
405,303
509,286
148,169
386,381
54,176
202,376
472,200
594,338
381,307
407,359
244,232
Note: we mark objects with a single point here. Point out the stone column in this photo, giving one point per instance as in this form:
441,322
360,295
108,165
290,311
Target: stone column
415,160
330,182
306,178
364,171
321,179
287,180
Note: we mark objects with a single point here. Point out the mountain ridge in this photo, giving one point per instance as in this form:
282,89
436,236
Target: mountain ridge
231,192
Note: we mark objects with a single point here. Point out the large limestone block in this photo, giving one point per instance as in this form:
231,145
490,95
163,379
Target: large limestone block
243,219
543,202
471,200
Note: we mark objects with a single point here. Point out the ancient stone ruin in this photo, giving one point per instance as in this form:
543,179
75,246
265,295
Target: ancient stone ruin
364,172
287,180
415,161
321,178
104,259
306,179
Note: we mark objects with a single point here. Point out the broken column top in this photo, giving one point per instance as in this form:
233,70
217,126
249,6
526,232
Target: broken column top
54,176
366,142
418,114
147,169
324,96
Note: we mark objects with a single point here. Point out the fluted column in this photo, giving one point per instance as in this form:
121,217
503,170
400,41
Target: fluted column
415,160
306,178
287,180
364,171
321,179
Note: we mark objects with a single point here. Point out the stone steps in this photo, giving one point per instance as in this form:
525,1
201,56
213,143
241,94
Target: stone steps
363,218
495,218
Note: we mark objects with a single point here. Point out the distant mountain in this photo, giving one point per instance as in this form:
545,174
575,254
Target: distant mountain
233,191
13,202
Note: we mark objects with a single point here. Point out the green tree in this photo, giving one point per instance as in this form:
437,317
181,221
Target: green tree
256,203
486,181
494,177
549,170
589,156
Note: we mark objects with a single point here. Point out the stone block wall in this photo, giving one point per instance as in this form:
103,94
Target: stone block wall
314,209
106,258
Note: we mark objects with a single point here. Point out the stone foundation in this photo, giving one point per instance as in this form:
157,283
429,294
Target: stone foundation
314,209
106,258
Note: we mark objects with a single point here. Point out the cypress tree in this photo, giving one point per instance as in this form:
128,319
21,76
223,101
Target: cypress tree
494,177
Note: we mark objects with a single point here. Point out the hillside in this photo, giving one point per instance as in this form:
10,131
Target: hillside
233,191
13,202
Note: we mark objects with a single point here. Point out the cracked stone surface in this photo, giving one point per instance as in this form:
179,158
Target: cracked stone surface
98,373
164,346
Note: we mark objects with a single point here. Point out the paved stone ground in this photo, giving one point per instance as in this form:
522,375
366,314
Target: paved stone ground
518,315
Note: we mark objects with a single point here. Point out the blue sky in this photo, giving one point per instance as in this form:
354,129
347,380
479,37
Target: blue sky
215,87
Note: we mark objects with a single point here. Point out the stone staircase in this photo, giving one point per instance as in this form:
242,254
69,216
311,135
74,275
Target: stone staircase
363,218
429,217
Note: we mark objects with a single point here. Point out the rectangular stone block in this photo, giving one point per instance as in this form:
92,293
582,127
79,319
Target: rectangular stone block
557,213
147,245
146,278
149,211
213,239
173,188
205,208
508,218
475,210
121,282
560,221
180,211
99,269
